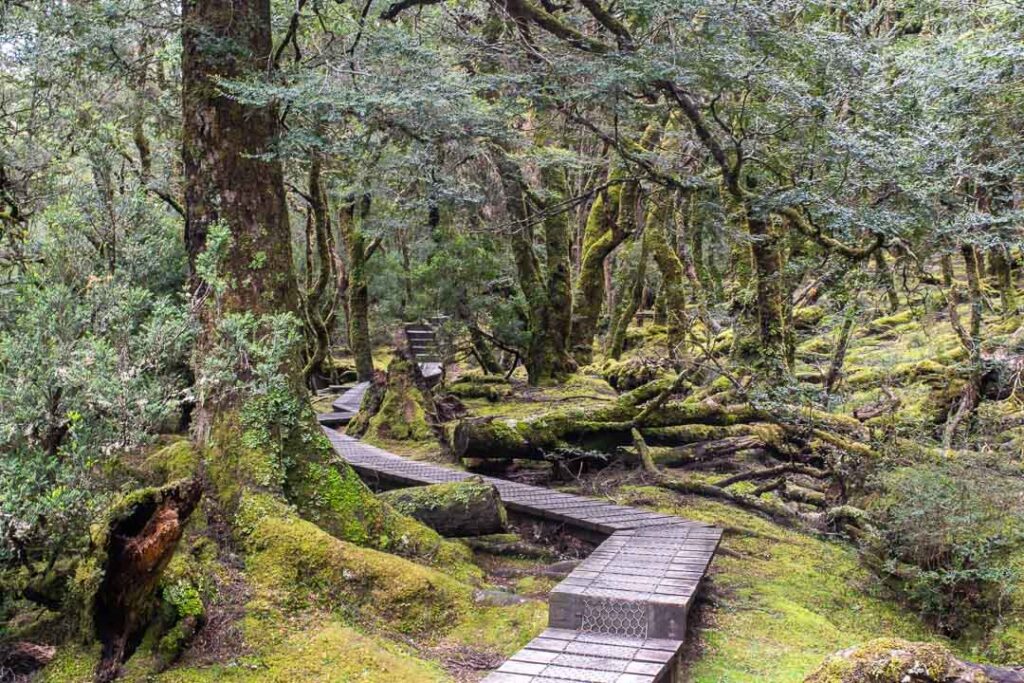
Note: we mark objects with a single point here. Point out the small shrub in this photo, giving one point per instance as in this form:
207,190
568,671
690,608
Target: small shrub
946,533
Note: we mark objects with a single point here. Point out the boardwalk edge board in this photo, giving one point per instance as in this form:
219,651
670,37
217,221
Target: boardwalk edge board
620,615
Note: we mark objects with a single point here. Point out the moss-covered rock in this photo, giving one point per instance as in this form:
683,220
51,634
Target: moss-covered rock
891,660
463,508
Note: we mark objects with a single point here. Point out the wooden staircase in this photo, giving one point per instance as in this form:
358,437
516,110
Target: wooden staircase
423,344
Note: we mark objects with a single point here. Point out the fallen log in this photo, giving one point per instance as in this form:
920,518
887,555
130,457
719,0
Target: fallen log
609,427
464,508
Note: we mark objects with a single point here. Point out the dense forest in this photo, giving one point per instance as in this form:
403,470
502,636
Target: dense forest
756,265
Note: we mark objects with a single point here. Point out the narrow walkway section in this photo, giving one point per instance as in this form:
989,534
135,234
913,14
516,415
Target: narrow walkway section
620,616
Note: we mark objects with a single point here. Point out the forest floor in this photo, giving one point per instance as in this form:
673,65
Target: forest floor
777,600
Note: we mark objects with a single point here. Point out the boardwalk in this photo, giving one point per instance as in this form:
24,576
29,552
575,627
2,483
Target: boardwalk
620,616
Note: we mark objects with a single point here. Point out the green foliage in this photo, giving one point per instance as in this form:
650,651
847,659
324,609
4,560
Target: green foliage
947,533
85,371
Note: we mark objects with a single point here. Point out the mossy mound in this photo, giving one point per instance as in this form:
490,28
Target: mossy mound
279,651
178,460
292,562
315,652
890,660
402,415
335,499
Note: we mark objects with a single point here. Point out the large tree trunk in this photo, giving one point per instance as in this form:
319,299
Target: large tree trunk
548,300
229,180
557,244
597,244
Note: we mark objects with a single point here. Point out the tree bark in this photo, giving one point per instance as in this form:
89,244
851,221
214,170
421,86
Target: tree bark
358,253
229,179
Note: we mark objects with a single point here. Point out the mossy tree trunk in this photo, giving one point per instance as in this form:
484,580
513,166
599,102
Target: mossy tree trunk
546,290
318,297
358,253
631,301
611,220
673,274
773,341
230,182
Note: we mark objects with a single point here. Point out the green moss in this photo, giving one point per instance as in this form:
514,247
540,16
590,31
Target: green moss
179,460
888,322
73,663
285,651
787,599
500,629
927,369
806,317
534,585
294,563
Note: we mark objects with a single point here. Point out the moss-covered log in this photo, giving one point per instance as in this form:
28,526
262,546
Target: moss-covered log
609,427
465,508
